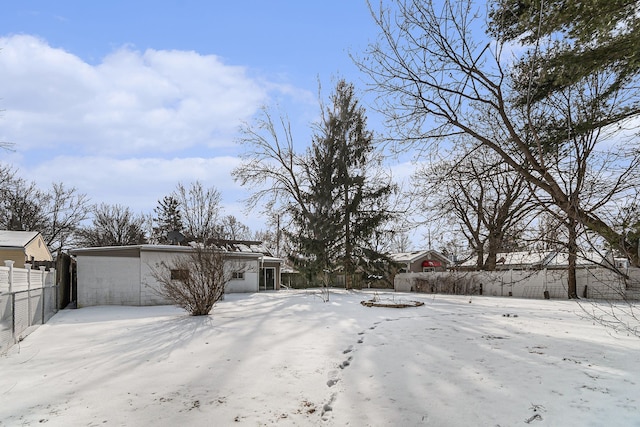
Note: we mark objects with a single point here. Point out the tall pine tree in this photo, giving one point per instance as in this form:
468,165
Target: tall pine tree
168,219
571,41
345,203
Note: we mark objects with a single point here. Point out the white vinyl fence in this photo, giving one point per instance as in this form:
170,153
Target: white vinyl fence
596,283
27,299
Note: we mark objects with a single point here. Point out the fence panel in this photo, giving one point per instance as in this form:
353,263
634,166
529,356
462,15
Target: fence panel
4,279
601,284
31,302
20,312
36,279
598,283
35,307
6,321
20,280
50,301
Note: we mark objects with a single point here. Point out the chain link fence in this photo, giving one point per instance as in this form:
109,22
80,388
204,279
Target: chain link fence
28,298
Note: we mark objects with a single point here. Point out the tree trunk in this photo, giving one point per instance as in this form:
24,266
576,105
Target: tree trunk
493,247
572,247
347,239
480,262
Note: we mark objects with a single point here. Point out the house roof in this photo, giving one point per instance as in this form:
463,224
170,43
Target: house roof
583,259
16,239
252,249
411,257
250,246
540,259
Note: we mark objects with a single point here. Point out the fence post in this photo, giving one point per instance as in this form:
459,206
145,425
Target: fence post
27,266
42,269
54,283
9,264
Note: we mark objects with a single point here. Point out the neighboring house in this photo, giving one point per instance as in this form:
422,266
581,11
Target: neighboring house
122,275
23,247
537,260
420,261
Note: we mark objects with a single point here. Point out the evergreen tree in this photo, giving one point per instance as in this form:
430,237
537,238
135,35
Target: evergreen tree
317,218
595,35
345,203
571,41
168,218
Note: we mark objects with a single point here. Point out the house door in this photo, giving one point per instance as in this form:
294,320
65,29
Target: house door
268,279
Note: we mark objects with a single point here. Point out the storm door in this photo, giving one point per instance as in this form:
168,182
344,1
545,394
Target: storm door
268,279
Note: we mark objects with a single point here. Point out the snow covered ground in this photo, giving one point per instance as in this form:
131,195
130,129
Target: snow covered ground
288,358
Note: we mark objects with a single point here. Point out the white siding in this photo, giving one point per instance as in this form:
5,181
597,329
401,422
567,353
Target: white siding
250,282
149,285
128,280
106,280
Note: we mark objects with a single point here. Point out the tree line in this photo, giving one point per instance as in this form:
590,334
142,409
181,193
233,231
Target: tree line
66,218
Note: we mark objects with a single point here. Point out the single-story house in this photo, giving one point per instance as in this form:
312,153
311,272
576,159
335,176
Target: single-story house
420,261
122,275
23,247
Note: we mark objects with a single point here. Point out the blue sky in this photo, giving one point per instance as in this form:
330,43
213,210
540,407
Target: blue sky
124,99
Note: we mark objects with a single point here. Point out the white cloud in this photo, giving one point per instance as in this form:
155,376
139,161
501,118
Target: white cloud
127,128
132,102
402,172
135,182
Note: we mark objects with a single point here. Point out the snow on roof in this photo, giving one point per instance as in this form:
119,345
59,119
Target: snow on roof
16,239
540,258
242,246
586,258
529,258
523,258
408,256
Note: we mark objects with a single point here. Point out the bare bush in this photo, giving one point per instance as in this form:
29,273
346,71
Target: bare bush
196,280
452,284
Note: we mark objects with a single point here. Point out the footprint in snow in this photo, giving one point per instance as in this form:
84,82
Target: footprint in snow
345,363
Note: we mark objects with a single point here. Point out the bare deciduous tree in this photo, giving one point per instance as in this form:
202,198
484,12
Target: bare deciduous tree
22,206
56,213
271,167
113,225
440,75
200,211
233,229
195,280
487,200
66,210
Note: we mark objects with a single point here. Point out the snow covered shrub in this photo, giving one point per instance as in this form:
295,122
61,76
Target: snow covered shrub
195,280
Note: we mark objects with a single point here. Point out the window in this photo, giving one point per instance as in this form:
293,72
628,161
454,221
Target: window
237,275
179,274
